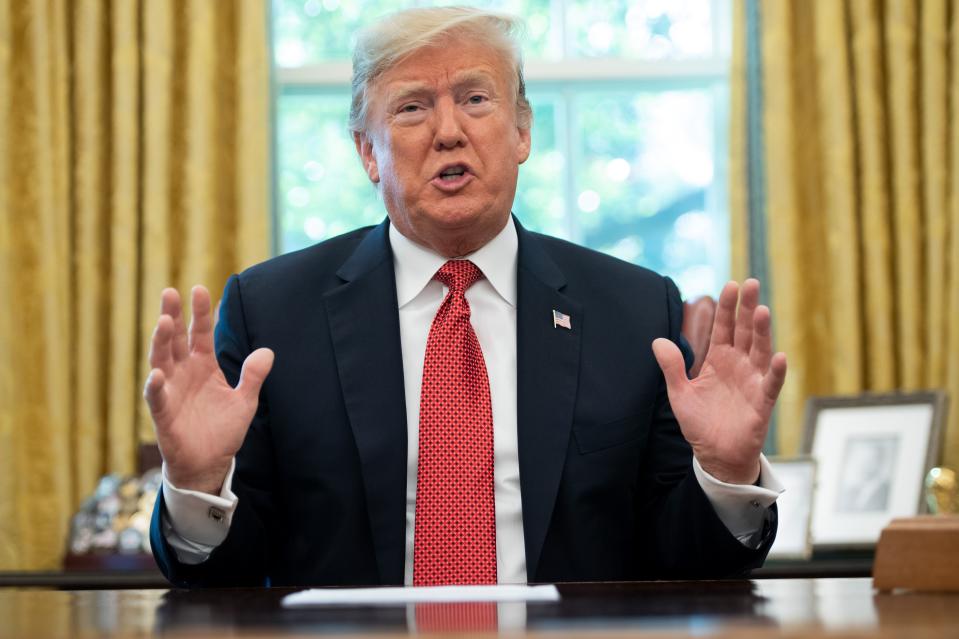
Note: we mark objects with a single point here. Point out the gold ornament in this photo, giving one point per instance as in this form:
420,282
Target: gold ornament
942,491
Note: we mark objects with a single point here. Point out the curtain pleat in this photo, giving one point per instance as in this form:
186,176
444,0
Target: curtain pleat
128,162
91,236
844,310
934,137
876,231
9,526
163,145
126,350
252,135
901,57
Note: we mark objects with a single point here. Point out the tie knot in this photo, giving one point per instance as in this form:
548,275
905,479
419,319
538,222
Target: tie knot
459,275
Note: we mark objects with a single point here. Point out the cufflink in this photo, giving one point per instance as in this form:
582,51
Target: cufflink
754,504
216,514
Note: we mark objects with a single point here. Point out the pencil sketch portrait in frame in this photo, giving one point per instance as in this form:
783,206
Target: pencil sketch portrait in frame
872,453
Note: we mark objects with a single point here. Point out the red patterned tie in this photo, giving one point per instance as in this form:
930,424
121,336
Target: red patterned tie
458,617
454,541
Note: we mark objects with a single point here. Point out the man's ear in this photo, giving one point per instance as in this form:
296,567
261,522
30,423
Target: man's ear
364,147
524,146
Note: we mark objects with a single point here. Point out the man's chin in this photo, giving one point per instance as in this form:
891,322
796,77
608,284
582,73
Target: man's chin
457,220
458,231
460,214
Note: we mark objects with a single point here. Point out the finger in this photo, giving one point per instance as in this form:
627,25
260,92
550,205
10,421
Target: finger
748,299
725,316
762,348
201,326
774,379
255,369
161,354
670,360
154,392
170,305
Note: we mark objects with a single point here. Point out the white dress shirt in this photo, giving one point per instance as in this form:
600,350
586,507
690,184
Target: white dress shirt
194,533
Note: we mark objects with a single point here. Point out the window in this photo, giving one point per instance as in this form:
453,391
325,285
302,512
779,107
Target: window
629,136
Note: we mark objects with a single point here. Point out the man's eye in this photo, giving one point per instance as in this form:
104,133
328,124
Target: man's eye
409,108
477,99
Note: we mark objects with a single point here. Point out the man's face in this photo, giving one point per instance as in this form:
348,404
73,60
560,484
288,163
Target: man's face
443,144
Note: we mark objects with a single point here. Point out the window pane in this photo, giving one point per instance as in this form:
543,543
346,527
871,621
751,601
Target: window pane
310,31
651,29
644,179
539,202
323,190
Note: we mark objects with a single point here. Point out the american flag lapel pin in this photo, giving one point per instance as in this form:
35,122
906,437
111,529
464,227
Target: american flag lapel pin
561,319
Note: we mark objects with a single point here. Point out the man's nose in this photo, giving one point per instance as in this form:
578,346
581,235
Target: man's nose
448,127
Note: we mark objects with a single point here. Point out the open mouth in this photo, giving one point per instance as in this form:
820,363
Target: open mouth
452,178
452,173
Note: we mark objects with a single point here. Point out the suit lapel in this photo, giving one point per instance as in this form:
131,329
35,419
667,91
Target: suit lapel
364,325
547,376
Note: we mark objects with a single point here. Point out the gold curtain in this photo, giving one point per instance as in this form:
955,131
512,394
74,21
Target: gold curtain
860,98
133,155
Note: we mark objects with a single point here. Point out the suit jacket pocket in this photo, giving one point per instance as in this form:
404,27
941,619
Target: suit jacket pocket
595,437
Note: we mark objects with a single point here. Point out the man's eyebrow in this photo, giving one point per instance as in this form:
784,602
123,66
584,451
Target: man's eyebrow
472,77
406,90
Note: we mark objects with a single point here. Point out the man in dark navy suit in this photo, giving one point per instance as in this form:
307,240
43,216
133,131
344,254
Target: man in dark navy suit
447,397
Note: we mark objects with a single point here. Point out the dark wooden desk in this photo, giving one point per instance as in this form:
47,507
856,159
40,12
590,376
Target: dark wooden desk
121,572
760,608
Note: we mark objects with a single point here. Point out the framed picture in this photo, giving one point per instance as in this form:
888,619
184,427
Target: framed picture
872,454
798,477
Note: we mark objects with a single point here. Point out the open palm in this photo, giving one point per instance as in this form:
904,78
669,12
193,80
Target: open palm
724,412
200,419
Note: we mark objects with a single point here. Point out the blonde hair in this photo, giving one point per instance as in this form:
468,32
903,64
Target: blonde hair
397,36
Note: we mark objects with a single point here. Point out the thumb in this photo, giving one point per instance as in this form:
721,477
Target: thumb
671,361
255,369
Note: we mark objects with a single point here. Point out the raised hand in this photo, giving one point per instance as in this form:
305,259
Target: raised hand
200,419
724,412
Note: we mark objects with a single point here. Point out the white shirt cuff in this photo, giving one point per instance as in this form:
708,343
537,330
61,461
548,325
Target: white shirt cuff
741,508
195,523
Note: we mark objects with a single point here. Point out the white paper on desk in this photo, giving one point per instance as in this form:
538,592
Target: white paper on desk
419,594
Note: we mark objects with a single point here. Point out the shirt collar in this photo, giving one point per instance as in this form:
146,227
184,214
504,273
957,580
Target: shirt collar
415,265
